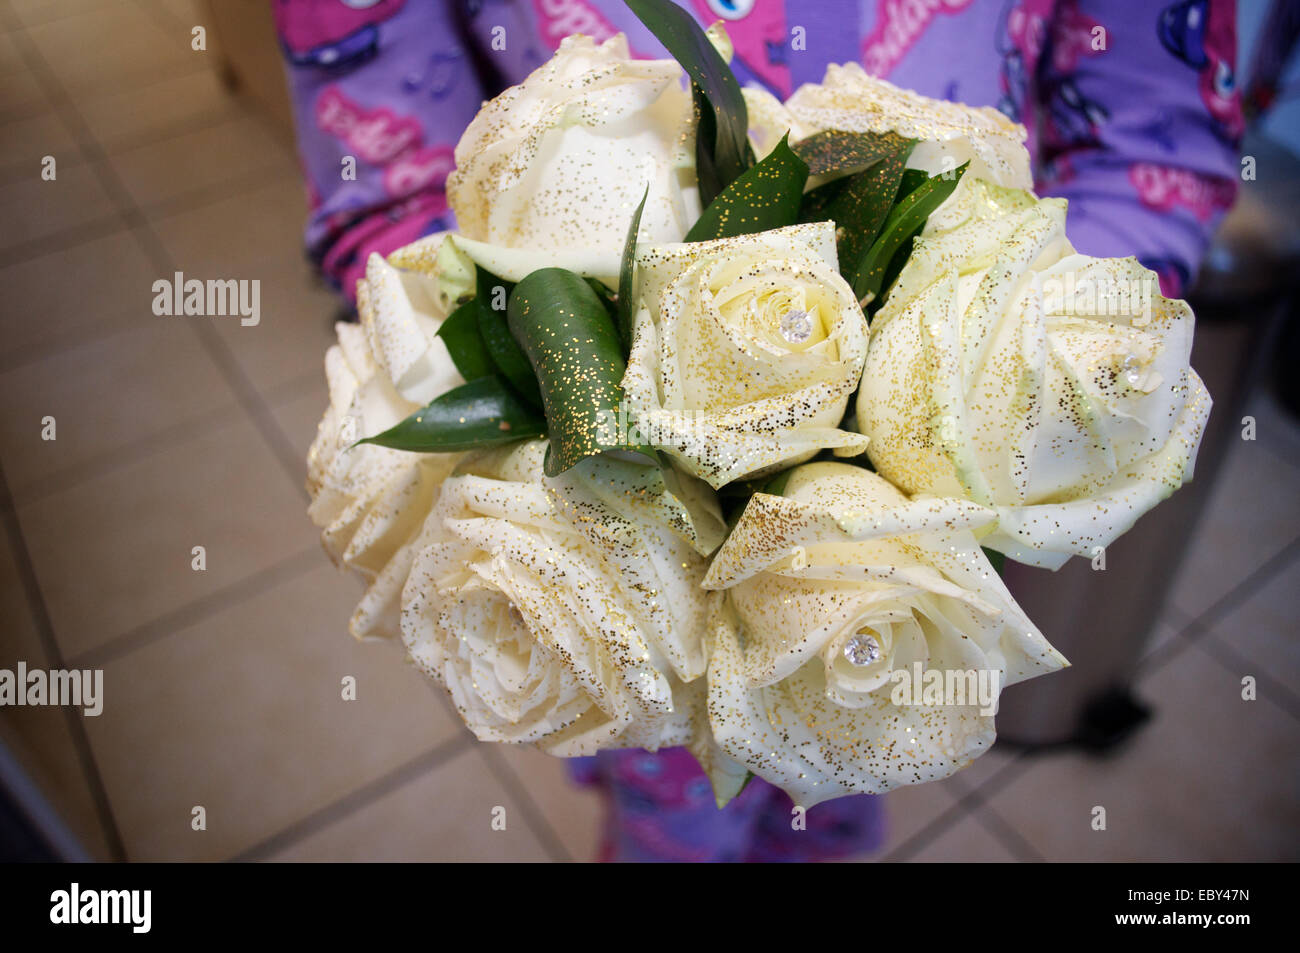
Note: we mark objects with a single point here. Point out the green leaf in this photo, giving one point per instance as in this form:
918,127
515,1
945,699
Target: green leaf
997,559
460,333
859,204
608,298
912,180
505,352
776,485
625,276
836,151
707,177
481,413
725,133
896,265
571,343
765,197
904,220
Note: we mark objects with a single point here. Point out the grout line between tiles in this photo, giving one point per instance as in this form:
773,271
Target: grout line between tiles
45,628
21,24
1006,835
277,395
968,800
1234,598
1238,665
196,122
127,454
162,17
533,815
351,803
71,237
218,350
239,591
233,187
948,818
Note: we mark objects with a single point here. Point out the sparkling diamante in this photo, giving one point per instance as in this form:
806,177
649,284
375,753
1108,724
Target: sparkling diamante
1132,369
862,649
796,326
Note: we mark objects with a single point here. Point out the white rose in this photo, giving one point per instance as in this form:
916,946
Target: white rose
839,592
550,172
565,612
1051,386
745,351
947,133
370,502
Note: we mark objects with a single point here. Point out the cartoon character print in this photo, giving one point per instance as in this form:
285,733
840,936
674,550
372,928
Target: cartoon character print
1165,188
437,76
331,34
392,227
1203,35
758,35
1174,275
556,19
1060,32
899,25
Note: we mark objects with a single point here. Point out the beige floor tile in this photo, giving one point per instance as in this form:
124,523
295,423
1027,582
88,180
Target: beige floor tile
24,143
967,841
107,397
113,553
1275,427
35,208
182,11
112,46
444,815
1166,632
55,307
299,416
243,714
1211,778
20,94
987,768
228,151
32,12
176,12
1263,630
41,738
910,809
575,814
259,235
1252,514
11,57
120,120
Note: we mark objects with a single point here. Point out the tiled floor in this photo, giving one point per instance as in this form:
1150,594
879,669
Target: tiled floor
223,685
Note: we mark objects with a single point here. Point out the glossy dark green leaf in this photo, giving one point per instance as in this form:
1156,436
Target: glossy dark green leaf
707,177
625,276
481,413
574,350
765,197
859,204
912,180
835,151
896,265
776,485
461,335
905,219
492,297
727,134
607,297
998,559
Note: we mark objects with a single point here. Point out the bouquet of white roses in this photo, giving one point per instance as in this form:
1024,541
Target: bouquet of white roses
708,425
